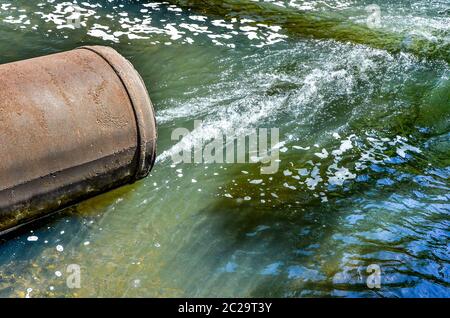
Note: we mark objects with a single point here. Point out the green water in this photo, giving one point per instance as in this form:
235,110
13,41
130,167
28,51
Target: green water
364,150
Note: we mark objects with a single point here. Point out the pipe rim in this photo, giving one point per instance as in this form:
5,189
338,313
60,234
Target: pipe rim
142,106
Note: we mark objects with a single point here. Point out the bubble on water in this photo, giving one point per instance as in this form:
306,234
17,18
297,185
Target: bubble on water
32,238
136,283
323,154
286,185
301,148
198,18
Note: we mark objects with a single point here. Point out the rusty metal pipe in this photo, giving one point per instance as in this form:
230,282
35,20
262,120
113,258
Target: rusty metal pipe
72,125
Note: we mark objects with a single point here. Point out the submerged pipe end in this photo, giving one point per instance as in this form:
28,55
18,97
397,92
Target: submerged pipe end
142,107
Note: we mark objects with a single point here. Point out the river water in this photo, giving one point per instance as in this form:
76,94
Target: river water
364,148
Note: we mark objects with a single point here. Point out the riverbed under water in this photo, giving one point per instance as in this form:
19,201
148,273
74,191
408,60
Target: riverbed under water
364,159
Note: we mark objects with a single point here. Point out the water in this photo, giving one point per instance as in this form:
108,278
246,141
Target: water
364,149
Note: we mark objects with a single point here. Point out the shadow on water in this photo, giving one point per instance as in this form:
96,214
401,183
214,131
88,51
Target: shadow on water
76,212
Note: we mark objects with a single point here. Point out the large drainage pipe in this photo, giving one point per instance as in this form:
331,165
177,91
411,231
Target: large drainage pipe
72,125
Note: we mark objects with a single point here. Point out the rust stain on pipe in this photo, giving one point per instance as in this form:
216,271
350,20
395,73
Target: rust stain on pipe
72,125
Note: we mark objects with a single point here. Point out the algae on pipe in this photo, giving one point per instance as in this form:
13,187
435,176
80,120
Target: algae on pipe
320,26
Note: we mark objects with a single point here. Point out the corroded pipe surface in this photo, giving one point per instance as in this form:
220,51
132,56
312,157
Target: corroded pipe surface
72,125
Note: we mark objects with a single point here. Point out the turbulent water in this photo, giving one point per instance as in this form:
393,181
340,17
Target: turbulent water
364,153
